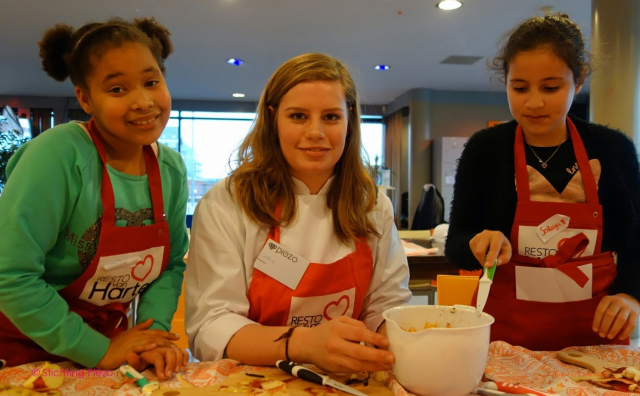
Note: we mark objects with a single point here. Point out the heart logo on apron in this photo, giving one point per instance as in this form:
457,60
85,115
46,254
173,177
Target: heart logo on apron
142,269
336,308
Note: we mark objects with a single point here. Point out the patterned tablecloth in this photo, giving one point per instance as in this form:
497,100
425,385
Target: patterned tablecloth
506,363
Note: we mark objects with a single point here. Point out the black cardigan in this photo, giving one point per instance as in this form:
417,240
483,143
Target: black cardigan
484,195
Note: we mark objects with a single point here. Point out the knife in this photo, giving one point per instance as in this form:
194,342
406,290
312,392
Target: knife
484,284
309,375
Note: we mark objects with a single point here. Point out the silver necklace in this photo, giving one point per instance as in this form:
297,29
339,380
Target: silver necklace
543,164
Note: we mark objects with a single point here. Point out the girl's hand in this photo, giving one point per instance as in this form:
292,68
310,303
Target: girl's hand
165,360
616,313
137,340
335,346
488,246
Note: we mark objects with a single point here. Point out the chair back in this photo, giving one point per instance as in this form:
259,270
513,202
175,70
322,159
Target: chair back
430,212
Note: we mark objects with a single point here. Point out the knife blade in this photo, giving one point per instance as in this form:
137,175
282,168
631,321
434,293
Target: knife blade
306,374
484,285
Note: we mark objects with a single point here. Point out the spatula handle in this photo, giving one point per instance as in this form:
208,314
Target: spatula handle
583,360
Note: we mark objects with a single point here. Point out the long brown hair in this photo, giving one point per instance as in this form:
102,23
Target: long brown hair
261,178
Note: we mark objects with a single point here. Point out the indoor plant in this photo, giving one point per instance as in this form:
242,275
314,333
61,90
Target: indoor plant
10,141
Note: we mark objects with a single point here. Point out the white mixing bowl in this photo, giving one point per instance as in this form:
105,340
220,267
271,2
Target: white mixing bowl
438,361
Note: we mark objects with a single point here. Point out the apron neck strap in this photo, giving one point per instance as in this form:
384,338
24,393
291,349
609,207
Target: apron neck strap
274,231
522,177
106,188
589,180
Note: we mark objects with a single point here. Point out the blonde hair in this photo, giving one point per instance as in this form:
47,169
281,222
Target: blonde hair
262,179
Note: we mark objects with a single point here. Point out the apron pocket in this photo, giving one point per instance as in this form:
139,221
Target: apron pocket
552,285
544,326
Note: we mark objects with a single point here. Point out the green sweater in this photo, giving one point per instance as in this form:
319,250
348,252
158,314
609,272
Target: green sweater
50,224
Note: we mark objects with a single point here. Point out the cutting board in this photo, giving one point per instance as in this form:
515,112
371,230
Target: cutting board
236,383
591,363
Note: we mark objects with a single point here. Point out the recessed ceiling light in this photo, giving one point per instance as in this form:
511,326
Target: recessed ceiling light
547,10
238,95
382,67
235,62
449,5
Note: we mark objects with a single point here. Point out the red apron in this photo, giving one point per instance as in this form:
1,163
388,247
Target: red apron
325,292
127,260
534,323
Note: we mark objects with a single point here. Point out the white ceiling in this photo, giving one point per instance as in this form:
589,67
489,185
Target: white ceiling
412,36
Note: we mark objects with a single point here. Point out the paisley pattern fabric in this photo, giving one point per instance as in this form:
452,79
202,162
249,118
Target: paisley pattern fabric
506,363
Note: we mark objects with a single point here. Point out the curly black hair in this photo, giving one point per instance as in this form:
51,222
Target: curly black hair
66,52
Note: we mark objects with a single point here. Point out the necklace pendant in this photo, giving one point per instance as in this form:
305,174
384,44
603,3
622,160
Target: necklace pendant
544,165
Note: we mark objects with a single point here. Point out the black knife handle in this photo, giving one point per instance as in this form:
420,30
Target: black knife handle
300,371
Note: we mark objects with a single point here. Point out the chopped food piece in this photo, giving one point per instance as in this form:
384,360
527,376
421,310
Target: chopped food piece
381,376
125,381
632,373
356,379
273,384
11,390
427,325
42,383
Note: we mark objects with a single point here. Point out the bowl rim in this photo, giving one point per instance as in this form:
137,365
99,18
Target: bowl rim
385,316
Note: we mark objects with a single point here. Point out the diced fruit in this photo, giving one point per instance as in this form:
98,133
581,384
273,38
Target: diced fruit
53,378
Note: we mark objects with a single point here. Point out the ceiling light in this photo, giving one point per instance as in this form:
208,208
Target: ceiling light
382,67
238,95
235,62
449,5
547,10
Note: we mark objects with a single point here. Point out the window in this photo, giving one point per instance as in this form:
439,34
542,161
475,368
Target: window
372,131
171,134
209,147
208,143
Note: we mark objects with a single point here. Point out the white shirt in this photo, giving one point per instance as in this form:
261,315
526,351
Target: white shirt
225,244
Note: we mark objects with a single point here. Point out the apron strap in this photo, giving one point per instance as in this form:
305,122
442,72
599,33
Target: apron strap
589,180
569,249
155,184
106,188
274,231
